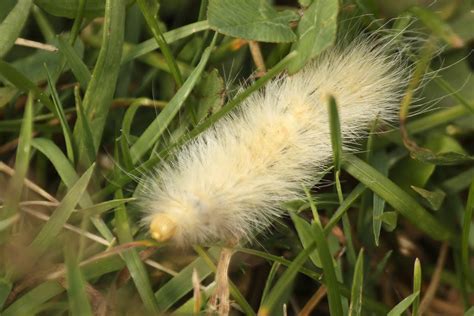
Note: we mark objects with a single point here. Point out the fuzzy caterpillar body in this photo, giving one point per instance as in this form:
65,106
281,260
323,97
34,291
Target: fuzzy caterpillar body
230,182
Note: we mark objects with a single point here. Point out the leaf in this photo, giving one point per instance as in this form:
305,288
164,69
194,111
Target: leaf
434,198
380,162
101,88
53,226
389,219
69,8
355,308
416,286
316,32
466,226
170,37
442,159
78,302
305,234
252,20
5,288
438,26
12,25
399,199
150,136
134,264
6,94
15,186
403,305
79,69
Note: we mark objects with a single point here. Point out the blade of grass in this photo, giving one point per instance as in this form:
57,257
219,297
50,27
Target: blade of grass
416,286
355,308
61,117
401,201
336,143
150,136
59,217
403,305
150,13
78,302
269,281
467,220
87,138
169,37
101,87
23,83
12,25
79,69
15,187
132,259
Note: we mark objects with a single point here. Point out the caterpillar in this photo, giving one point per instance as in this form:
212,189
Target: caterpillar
229,183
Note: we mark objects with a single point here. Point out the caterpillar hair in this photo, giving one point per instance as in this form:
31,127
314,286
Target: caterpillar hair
230,182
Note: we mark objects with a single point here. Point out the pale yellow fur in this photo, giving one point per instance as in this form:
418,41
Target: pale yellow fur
230,182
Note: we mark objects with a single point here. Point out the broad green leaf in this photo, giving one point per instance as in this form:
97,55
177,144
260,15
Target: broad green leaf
151,135
252,20
12,25
316,32
399,199
53,226
355,308
78,301
403,305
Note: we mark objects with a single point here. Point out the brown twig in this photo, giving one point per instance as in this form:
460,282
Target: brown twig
257,58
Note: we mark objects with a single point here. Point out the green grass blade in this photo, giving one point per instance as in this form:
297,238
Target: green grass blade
101,88
132,259
170,37
181,284
329,276
306,236
15,187
401,201
269,281
86,139
78,301
12,25
416,286
467,221
335,128
30,301
5,289
355,308
61,117
403,305
19,80
79,69
149,11
380,162
150,136
59,217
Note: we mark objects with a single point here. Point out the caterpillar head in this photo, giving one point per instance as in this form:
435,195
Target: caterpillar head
162,227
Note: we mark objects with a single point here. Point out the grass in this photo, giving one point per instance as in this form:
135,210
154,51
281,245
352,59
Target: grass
392,234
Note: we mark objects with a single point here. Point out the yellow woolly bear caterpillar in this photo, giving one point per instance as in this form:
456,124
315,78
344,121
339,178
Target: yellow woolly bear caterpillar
230,182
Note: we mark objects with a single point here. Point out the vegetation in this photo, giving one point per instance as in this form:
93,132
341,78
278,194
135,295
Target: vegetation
95,93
